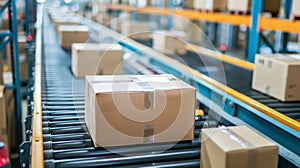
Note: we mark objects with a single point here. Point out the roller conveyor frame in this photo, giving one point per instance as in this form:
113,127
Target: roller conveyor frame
154,58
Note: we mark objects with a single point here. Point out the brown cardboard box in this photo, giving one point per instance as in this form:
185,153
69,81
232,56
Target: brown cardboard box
236,147
104,19
73,34
296,8
210,5
126,110
93,59
23,57
136,30
65,21
277,76
245,5
10,108
3,117
116,24
170,41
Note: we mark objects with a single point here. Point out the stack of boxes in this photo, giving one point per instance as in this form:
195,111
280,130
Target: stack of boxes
210,5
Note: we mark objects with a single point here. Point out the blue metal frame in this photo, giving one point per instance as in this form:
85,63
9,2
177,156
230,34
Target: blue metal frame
12,35
253,44
170,20
285,38
27,18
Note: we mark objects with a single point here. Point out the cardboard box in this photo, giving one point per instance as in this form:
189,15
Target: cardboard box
210,5
245,5
138,109
236,147
23,57
95,59
3,117
65,21
10,108
170,42
73,34
276,75
296,7
136,30
104,19
116,24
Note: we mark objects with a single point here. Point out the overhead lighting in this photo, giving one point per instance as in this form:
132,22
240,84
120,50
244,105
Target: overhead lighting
40,1
68,1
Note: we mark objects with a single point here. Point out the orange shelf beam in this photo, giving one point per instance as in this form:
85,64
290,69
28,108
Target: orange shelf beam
273,24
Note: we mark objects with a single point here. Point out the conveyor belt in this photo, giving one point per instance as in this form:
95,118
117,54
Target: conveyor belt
66,139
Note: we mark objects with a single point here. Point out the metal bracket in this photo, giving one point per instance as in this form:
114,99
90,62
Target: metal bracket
230,107
28,122
25,154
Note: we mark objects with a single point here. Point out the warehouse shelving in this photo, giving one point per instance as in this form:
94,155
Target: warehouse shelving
256,20
11,36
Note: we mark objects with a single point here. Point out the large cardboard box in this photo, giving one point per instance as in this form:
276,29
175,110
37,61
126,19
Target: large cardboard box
210,5
277,76
236,147
3,117
245,5
170,41
296,8
95,59
138,109
136,30
73,34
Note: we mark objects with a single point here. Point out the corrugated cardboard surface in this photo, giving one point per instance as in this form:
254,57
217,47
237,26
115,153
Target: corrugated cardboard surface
92,59
245,5
73,34
236,147
10,108
136,30
170,42
126,112
276,75
3,117
296,7
210,5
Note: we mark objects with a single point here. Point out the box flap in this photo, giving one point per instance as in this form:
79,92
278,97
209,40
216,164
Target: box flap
97,47
135,83
73,28
2,87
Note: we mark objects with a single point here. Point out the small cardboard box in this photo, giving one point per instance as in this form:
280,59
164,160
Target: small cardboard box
65,21
277,76
138,109
116,24
245,5
236,147
296,8
3,117
95,59
73,34
210,5
170,41
136,30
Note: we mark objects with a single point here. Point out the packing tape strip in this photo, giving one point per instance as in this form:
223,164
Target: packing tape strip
252,153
